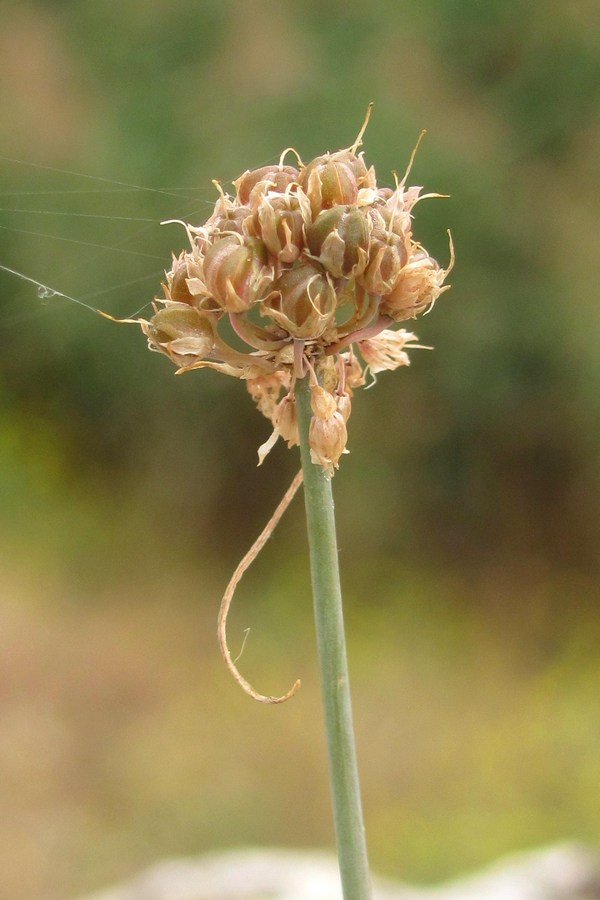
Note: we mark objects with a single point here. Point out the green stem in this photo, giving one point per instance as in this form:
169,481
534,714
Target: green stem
327,596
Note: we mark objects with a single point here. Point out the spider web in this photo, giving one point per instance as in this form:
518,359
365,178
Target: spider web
73,238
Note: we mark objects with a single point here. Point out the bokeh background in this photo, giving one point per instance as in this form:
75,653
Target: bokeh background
468,507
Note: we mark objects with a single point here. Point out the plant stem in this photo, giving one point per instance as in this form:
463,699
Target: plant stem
331,643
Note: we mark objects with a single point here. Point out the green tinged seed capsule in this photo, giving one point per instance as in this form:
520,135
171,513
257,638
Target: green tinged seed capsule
302,301
236,272
339,237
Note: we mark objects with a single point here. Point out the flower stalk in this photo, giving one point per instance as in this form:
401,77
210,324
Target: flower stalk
331,644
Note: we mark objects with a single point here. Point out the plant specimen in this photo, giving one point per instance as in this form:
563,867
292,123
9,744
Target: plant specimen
309,268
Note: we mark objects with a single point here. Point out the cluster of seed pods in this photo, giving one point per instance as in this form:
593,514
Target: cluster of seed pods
304,271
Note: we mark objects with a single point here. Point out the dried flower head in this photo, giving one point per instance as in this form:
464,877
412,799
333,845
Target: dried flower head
311,265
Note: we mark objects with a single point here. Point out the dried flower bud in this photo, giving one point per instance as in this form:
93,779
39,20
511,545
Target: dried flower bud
274,178
340,238
418,286
327,439
303,300
235,272
181,332
279,222
321,401
386,350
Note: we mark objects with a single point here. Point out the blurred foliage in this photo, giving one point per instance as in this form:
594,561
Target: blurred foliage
477,466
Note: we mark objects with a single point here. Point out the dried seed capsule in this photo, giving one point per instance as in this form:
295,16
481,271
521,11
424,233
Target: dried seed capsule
278,221
236,272
343,403
321,402
181,332
328,182
386,259
303,300
418,285
337,179
227,216
340,238
327,439
274,178
234,220
176,287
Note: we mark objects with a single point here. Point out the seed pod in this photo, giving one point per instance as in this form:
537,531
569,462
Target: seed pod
278,221
303,300
388,217
328,182
234,220
386,260
181,332
327,439
419,284
227,216
340,238
176,287
321,402
343,403
274,178
235,272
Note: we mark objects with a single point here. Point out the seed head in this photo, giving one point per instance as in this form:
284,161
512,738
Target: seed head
312,265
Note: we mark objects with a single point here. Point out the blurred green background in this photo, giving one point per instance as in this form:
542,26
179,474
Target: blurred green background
468,507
